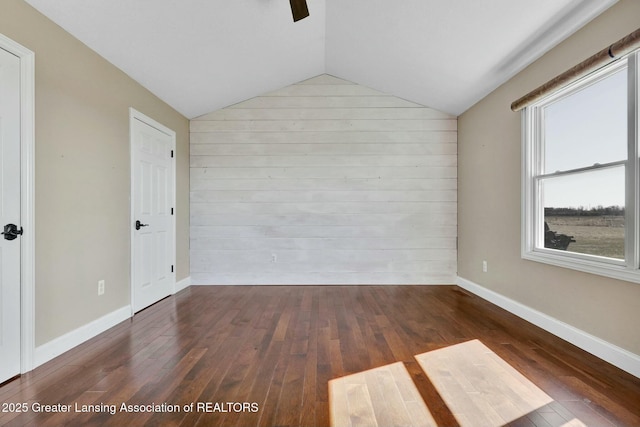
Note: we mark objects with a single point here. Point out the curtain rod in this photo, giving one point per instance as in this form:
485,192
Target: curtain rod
620,48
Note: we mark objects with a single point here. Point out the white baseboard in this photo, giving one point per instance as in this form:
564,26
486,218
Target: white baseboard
611,353
66,342
183,284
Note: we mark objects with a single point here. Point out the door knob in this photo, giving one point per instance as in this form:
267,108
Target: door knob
11,231
139,225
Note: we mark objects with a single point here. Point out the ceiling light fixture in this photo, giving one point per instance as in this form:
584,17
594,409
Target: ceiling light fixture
299,9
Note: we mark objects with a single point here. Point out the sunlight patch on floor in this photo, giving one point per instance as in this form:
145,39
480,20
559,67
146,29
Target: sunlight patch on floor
574,423
479,387
384,396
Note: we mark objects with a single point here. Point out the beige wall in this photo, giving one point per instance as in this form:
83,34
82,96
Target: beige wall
489,201
82,174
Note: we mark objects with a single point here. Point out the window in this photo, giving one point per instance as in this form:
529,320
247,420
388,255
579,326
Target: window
580,174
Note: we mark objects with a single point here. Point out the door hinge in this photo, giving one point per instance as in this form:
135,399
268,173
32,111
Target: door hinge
172,154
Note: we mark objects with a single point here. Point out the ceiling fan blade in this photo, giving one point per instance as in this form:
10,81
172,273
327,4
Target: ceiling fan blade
299,9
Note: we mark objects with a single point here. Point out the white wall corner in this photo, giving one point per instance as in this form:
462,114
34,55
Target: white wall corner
606,351
183,284
66,342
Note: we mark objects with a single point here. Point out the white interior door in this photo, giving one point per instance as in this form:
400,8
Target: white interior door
9,215
153,196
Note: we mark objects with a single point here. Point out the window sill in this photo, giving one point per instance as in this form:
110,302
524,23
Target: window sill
605,269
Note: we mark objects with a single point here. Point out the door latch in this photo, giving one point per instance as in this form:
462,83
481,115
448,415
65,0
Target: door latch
139,225
11,232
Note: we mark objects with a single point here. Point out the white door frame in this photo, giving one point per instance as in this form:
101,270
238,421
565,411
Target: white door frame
137,115
27,192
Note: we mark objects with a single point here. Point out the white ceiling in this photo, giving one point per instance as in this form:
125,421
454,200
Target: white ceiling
203,55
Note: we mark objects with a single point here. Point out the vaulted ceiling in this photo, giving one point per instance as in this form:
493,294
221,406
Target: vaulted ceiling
203,55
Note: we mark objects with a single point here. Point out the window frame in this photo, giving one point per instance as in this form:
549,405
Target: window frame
532,209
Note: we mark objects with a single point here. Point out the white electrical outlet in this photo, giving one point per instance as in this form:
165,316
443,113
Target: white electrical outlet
274,258
485,266
100,287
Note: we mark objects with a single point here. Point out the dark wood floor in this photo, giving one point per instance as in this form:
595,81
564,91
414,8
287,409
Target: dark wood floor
279,347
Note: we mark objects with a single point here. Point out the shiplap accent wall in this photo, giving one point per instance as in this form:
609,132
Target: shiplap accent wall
324,182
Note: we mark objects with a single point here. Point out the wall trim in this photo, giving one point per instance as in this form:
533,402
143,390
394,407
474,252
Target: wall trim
183,284
606,351
66,342
317,284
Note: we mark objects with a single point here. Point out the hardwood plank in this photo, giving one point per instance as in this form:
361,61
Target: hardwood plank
218,267
324,90
346,172
283,348
388,137
384,396
325,101
251,231
291,397
340,414
309,393
328,208
365,184
294,243
360,406
384,113
252,161
263,126
223,148
325,79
